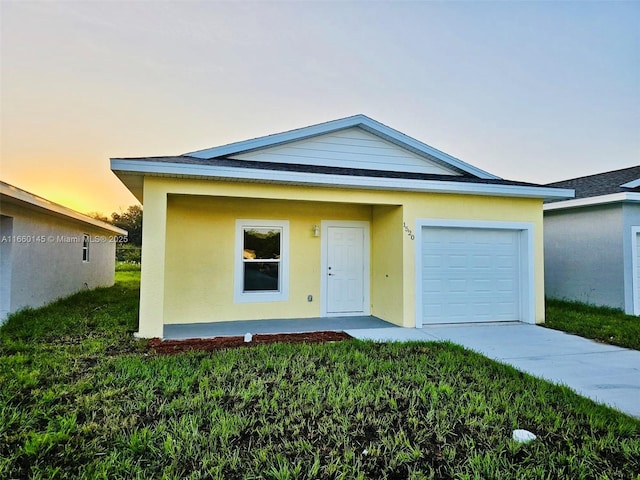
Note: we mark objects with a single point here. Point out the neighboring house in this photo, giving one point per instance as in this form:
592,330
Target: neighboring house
48,251
591,242
343,218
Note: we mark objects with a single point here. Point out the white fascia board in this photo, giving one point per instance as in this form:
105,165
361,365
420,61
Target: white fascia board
632,184
332,180
590,201
277,138
369,125
406,140
22,196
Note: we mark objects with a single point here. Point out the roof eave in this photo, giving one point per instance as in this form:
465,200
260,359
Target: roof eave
124,167
593,201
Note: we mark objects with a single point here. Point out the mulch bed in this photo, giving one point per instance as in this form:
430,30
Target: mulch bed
168,347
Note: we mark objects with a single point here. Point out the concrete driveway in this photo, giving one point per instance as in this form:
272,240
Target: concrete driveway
604,373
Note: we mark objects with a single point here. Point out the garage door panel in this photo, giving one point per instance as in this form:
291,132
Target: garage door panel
459,237
507,308
432,261
470,275
456,261
457,286
483,309
435,308
480,261
482,242
457,309
432,286
503,241
506,286
481,285
505,261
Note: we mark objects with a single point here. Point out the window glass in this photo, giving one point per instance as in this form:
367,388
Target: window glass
260,244
85,248
261,276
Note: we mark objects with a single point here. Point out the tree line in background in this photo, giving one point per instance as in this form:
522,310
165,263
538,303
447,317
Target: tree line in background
131,221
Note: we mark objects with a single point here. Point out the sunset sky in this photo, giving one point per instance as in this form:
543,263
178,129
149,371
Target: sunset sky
529,91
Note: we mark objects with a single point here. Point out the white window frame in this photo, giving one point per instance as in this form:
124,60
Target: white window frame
239,295
86,241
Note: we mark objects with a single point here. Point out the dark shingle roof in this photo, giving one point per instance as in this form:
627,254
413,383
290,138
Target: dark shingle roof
601,183
353,172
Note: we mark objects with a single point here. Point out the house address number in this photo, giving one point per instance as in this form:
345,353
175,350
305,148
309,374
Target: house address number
408,230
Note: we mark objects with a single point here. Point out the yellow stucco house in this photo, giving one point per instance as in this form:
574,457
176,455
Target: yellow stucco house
344,218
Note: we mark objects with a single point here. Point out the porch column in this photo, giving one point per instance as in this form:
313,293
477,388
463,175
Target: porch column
154,232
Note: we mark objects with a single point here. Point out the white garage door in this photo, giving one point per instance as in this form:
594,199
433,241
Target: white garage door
470,275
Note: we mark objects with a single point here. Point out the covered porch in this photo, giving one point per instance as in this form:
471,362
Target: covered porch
290,325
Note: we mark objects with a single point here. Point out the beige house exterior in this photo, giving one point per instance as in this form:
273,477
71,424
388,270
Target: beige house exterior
48,251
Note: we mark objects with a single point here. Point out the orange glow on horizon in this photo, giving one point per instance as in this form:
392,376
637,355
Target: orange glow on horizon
69,200
85,197
86,200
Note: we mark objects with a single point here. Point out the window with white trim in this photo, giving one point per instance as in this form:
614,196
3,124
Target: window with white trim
261,261
85,247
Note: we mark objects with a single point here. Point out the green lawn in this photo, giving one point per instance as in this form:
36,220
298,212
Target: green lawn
603,324
79,398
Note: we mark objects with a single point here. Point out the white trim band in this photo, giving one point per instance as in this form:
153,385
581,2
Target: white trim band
599,200
333,180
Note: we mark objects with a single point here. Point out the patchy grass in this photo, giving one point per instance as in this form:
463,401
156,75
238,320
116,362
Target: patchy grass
80,399
607,325
128,266
103,313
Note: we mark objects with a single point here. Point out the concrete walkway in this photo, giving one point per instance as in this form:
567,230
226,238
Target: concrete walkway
604,373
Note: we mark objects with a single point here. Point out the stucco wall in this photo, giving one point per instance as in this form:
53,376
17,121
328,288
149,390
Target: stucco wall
584,255
177,276
387,278
6,229
200,256
45,258
471,207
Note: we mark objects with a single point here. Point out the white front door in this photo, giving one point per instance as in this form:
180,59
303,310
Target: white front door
345,270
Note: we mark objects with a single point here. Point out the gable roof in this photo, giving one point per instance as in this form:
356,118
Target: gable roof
607,187
616,181
303,165
360,121
14,195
